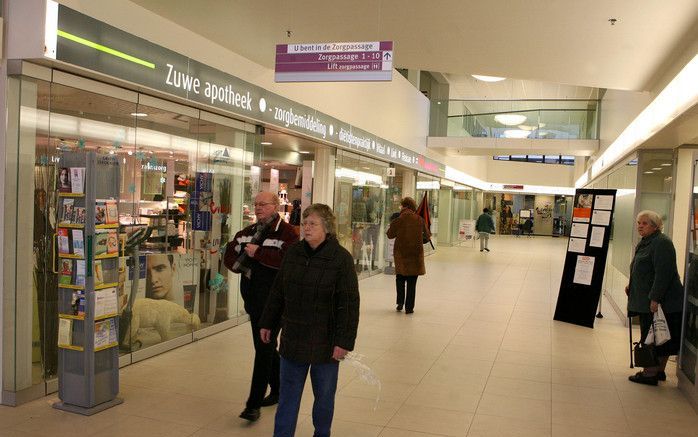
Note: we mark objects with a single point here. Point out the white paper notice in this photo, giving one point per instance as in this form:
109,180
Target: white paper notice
584,270
596,239
603,202
601,218
577,245
579,230
105,302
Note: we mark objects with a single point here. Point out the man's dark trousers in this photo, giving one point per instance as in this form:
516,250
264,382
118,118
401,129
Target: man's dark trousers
266,366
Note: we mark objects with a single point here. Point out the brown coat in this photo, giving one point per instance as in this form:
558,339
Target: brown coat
409,250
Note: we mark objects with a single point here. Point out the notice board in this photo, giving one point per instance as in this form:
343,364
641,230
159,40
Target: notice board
585,260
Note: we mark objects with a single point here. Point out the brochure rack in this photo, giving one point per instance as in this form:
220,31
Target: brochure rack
88,354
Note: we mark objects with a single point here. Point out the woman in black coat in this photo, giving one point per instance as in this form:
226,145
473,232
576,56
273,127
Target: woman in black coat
315,300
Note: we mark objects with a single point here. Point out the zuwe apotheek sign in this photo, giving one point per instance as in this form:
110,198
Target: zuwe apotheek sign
334,62
88,43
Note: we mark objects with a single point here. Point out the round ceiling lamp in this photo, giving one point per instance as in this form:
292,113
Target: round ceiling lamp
488,78
510,119
516,133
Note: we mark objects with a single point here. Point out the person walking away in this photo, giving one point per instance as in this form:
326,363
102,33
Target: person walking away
484,226
528,227
408,230
315,301
256,253
654,281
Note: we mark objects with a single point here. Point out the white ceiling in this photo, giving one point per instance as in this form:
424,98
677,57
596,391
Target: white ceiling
466,87
554,41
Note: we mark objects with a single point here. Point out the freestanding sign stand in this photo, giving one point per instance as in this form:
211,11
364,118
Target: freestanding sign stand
87,249
585,262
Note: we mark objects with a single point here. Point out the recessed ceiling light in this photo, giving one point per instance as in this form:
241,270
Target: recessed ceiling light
488,78
305,152
265,143
656,168
139,114
111,152
129,153
510,119
666,164
649,172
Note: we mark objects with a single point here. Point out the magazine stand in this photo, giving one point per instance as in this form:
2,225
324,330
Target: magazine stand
88,353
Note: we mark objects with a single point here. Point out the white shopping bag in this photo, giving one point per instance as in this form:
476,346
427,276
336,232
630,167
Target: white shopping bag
659,331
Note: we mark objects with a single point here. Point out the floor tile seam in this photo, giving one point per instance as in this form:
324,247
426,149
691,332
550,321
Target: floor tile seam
411,430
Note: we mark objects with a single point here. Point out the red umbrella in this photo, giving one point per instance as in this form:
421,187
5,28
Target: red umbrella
423,212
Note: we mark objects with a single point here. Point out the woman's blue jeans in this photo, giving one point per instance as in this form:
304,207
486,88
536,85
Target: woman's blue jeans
324,380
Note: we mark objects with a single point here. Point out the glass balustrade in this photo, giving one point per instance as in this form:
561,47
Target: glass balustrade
538,119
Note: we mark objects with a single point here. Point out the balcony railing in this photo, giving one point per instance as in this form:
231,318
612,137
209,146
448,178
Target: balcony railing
541,119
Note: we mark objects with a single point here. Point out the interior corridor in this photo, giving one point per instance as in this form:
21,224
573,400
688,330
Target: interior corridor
479,357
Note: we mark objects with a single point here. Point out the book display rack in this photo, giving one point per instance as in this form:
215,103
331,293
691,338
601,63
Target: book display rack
87,250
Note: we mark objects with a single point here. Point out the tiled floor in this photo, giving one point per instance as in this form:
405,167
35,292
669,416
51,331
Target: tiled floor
479,357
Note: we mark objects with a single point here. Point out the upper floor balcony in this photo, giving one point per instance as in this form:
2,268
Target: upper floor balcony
506,127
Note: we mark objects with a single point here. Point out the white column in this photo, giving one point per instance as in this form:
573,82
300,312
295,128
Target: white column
323,176
409,184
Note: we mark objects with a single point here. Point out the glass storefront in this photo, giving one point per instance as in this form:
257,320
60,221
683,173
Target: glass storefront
361,196
168,222
550,213
465,209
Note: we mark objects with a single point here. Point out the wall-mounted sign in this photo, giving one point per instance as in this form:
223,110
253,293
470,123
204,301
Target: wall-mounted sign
513,187
334,62
88,43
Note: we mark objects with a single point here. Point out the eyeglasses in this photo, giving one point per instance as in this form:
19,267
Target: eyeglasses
262,204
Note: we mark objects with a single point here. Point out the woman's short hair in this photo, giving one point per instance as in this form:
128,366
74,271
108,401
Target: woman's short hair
326,215
485,210
409,203
653,218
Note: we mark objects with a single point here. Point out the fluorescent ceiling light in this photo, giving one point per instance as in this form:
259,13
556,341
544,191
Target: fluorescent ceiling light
428,185
675,99
510,119
265,143
524,127
649,172
666,164
304,152
488,78
139,114
516,133
656,168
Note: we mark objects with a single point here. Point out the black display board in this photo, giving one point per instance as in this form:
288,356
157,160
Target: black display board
585,261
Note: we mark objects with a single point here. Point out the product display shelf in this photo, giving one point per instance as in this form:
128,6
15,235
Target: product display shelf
88,357
71,225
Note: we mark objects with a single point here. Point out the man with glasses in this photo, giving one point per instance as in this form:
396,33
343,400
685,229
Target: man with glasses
256,254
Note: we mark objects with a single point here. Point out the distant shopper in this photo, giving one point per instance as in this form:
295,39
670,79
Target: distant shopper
315,302
408,230
654,280
484,226
528,227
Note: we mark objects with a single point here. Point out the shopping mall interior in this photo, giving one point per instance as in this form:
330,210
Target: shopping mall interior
142,130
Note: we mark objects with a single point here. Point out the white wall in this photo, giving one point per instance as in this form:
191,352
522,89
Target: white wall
475,166
618,109
393,110
507,172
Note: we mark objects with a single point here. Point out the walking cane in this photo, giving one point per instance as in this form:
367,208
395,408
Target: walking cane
630,332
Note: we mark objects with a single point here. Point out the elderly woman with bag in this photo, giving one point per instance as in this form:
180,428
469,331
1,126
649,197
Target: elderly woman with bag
409,232
654,281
